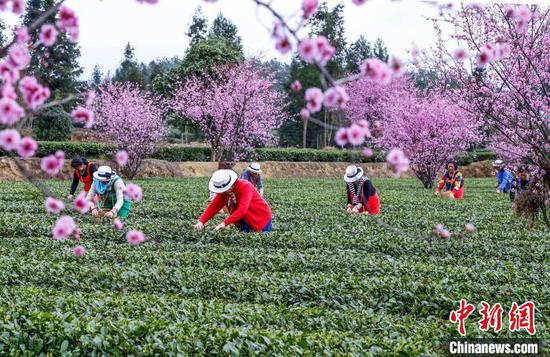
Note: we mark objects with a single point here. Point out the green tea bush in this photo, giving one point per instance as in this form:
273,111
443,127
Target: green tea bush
322,283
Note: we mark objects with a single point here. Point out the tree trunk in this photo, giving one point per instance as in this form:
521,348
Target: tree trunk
304,134
212,154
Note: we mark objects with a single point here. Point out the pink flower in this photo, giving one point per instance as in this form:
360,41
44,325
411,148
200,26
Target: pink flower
135,237
60,155
307,50
22,35
445,234
19,56
133,192
34,94
503,50
51,165
277,30
68,21
8,73
341,137
80,203
121,158
314,99
483,58
283,45
376,70
324,50
398,161
460,54
359,2
27,147
63,228
523,13
18,6
76,234
83,115
79,250
53,205
309,7
118,224
9,139
356,135
397,66
296,86
365,126
305,114
8,91
10,111
335,97
48,35
367,152
470,228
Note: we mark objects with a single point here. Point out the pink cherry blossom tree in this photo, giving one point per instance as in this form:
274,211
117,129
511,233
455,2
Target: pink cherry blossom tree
133,119
237,108
506,79
427,128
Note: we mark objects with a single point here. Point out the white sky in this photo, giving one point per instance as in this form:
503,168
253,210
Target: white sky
157,31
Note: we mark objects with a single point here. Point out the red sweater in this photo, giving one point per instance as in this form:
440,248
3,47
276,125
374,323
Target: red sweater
251,207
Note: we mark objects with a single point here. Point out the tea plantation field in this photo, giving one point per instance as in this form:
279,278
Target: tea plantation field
323,282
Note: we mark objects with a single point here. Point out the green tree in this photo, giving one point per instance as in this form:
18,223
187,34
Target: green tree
129,69
380,50
356,53
52,124
223,27
97,76
199,27
56,67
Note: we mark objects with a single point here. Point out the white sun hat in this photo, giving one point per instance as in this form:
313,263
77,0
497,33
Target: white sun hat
104,173
255,167
353,173
222,180
498,163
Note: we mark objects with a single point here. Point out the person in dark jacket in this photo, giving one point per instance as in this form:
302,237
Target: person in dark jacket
520,182
83,172
361,194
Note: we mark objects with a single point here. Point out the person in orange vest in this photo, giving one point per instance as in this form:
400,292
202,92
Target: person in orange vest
83,172
362,196
451,184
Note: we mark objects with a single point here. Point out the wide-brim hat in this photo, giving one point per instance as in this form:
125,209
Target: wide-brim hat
498,163
222,180
104,173
353,173
255,167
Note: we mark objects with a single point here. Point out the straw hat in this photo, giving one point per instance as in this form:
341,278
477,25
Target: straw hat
222,180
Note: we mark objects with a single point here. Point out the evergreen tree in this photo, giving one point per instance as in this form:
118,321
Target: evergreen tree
56,67
129,69
356,53
97,76
223,27
199,27
380,50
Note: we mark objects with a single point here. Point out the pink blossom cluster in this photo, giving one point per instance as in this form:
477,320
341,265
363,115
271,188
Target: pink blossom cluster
134,237
492,52
397,161
121,158
441,231
68,22
83,115
520,16
316,50
133,192
54,205
117,223
52,164
63,228
48,35
17,6
33,93
355,135
80,203
79,251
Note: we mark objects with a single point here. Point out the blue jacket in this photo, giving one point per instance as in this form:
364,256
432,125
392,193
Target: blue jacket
257,182
504,180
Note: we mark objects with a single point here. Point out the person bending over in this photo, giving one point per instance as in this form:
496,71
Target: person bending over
362,196
451,184
83,172
110,189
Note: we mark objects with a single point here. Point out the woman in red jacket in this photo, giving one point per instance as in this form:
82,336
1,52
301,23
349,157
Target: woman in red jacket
361,194
247,209
83,172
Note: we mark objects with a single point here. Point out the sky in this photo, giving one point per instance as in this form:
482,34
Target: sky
157,31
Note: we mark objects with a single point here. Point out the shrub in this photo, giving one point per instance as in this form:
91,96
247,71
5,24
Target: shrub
53,124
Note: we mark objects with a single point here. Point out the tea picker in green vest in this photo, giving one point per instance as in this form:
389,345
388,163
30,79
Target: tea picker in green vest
110,188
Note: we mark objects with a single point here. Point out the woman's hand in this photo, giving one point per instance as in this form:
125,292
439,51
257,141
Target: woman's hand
199,226
95,212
